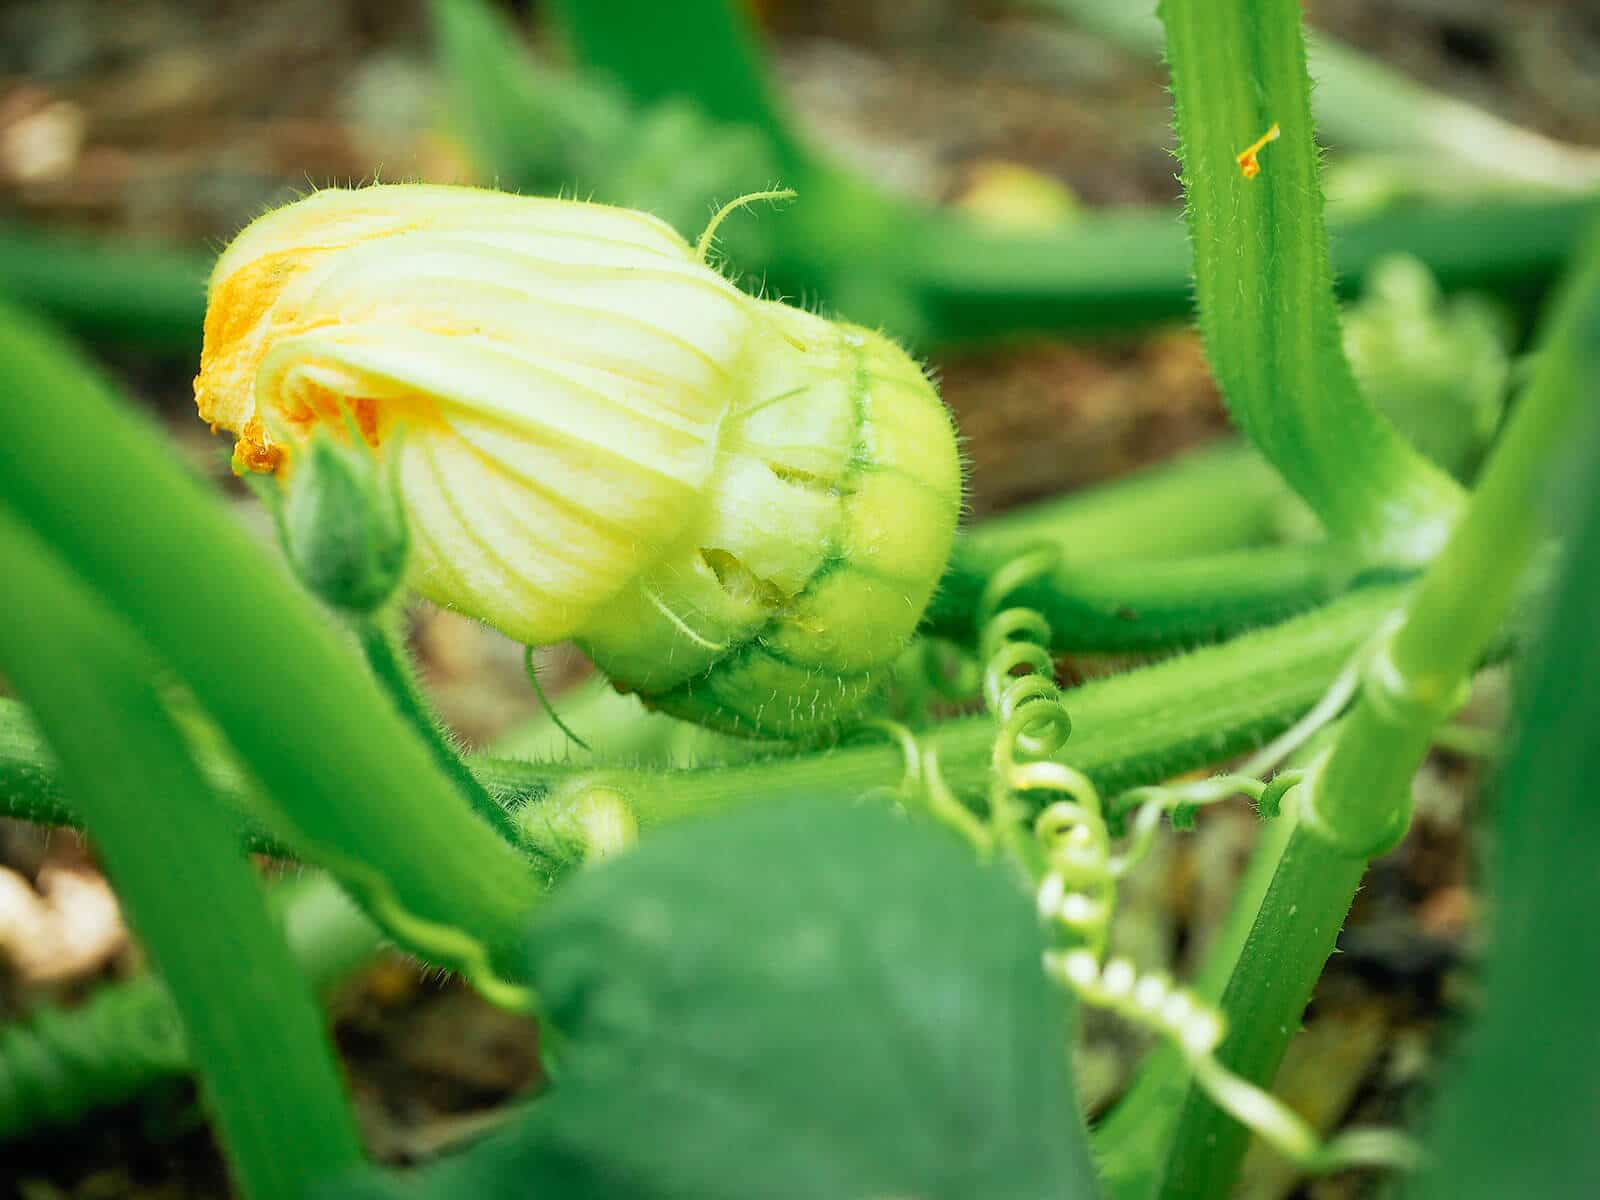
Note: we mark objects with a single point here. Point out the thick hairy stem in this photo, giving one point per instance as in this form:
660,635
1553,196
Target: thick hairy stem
1131,729
1262,278
1157,604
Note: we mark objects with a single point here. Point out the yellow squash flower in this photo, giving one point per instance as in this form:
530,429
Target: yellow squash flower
739,509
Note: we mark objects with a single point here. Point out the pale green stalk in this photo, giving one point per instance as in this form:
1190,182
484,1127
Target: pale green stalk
1357,803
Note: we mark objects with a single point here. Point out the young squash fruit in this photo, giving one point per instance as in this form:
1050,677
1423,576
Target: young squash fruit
737,508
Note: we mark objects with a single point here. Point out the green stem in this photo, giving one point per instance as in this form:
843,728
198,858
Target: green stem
1130,729
1223,496
62,1063
1363,102
1310,895
1124,269
1264,286
1118,588
1465,595
1132,1142
1138,606
1357,802
248,1016
383,644
348,781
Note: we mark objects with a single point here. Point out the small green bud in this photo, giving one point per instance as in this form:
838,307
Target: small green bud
343,527
585,821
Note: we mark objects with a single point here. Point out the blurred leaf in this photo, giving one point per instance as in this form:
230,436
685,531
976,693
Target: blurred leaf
708,49
1437,368
809,1000
543,132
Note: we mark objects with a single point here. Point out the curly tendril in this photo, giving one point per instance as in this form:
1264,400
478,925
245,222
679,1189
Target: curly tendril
1076,867
1033,721
1153,1002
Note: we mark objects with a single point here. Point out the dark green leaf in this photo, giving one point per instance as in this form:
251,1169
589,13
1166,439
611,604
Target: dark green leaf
811,1000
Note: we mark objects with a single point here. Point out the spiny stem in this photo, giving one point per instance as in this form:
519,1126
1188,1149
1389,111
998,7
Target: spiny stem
1156,604
1264,286
1130,729
1169,556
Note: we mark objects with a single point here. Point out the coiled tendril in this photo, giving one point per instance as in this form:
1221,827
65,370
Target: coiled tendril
1075,867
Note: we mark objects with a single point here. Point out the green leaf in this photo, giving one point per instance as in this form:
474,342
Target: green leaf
806,1000
701,48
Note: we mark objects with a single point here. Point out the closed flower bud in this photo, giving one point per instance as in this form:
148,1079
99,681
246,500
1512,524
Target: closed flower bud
343,527
739,509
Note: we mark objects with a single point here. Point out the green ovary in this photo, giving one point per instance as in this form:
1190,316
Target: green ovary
827,524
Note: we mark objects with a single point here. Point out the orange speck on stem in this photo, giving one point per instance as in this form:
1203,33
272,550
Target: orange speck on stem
1249,165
